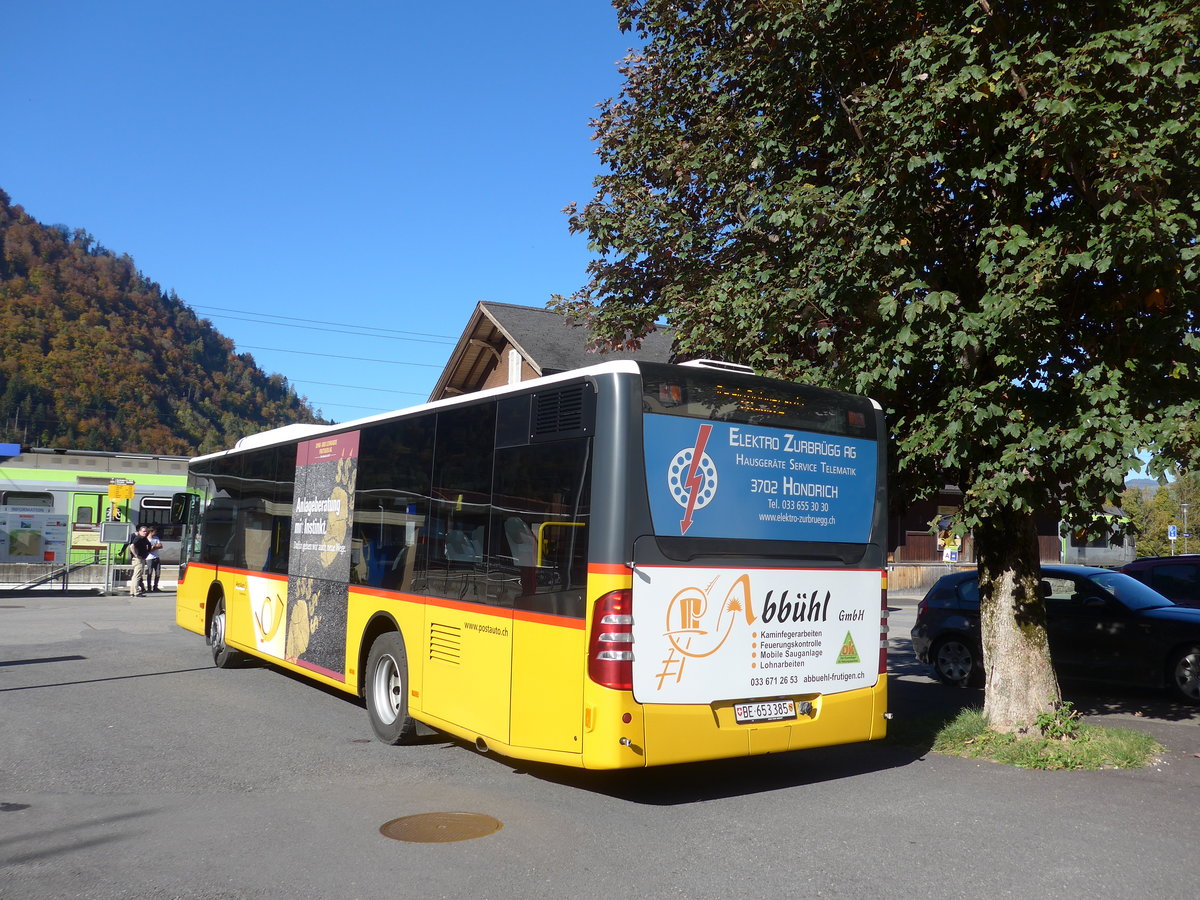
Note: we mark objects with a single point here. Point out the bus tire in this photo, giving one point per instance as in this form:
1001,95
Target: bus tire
224,657
387,690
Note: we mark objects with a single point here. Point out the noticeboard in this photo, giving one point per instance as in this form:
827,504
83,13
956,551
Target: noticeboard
120,489
115,532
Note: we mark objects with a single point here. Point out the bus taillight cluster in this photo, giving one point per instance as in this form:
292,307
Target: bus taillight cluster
610,647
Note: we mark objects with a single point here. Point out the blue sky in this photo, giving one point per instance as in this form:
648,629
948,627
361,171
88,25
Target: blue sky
340,166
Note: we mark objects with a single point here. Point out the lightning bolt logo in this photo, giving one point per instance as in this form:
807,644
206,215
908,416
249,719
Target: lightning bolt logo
694,480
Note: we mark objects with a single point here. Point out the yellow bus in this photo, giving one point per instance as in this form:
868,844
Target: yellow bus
626,565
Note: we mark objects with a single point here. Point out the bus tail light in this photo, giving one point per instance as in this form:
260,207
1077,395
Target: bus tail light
610,646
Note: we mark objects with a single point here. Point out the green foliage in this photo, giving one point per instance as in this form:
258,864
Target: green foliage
984,215
1066,743
94,356
1063,723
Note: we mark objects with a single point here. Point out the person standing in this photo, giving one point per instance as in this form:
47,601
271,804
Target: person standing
153,563
139,549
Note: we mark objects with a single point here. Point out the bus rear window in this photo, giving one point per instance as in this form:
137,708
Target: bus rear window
732,397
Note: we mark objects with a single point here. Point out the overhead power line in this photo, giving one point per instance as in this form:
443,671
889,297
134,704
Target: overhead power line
357,387
448,337
321,405
357,333
394,362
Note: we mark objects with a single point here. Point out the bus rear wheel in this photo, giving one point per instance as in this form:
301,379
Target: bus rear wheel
387,690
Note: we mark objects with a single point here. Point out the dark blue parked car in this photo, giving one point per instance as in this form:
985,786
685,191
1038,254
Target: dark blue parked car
1102,625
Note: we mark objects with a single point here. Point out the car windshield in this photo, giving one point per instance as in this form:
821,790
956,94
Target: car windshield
1130,591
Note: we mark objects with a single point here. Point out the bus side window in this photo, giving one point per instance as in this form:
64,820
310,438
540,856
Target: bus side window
462,500
542,509
221,544
389,548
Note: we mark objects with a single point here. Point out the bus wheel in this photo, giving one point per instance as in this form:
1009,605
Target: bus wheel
223,656
387,690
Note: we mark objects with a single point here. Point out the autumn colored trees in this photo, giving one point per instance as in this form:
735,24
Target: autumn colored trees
94,356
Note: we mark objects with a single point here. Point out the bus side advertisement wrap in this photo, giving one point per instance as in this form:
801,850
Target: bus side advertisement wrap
708,634
717,479
319,564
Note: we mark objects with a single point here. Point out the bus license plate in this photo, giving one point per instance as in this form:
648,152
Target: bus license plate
769,711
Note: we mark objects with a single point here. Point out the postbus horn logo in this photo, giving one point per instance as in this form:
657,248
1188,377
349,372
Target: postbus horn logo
692,478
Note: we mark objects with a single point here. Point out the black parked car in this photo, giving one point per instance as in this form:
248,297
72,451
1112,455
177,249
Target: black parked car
1175,577
1103,626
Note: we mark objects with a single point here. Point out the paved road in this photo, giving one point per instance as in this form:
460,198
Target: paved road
130,768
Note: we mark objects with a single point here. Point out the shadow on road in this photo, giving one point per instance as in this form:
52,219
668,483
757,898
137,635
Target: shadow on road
919,708
700,782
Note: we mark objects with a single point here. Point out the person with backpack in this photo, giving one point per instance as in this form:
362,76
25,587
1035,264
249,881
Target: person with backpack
139,551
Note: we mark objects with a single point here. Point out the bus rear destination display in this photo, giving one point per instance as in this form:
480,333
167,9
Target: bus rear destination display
717,479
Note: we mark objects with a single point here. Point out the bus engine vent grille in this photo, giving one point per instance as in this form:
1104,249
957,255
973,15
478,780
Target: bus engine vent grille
569,412
445,643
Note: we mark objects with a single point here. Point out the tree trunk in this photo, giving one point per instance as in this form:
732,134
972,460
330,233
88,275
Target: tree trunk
1012,611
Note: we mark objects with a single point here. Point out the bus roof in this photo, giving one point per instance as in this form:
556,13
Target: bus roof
288,433
296,431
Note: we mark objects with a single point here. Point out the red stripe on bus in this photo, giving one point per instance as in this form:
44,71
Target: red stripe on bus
526,615
608,569
230,570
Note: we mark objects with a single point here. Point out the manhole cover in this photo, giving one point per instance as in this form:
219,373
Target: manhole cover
440,827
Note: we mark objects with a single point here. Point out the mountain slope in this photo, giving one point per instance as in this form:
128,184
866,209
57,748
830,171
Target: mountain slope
94,356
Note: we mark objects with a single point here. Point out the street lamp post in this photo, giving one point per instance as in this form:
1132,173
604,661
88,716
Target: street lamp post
1184,508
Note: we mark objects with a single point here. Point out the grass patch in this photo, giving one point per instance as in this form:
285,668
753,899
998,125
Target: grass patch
1072,744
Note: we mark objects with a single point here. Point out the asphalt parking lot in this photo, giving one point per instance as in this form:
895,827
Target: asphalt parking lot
131,768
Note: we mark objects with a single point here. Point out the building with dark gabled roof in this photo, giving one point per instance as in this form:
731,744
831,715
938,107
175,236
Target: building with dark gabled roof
504,344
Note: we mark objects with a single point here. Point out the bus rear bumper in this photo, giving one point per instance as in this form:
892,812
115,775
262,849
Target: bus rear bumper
679,734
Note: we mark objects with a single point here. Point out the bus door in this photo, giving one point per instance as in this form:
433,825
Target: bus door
469,614
549,641
540,529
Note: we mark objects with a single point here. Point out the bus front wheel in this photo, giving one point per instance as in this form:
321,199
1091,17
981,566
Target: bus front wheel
387,690
223,656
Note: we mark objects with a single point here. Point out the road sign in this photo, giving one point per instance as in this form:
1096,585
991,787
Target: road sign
1172,533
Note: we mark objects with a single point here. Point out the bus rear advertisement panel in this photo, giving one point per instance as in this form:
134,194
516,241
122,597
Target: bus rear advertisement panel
706,634
720,480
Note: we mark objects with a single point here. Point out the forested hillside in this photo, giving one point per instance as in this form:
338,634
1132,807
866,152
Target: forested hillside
94,356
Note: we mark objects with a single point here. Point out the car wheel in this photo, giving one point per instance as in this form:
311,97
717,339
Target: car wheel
953,662
1184,674
387,690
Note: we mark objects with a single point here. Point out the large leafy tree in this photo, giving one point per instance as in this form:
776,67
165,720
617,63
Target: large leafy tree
982,213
